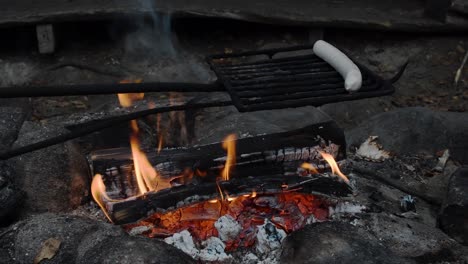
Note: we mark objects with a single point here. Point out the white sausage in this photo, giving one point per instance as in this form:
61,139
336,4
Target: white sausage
341,63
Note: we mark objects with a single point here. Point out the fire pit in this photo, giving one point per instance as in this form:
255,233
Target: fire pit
235,162
224,194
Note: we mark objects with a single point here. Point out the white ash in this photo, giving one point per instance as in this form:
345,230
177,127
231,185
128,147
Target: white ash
247,155
372,151
269,240
228,228
280,155
138,230
250,258
289,154
184,242
355,222
213,251
190,200
311,219
346,208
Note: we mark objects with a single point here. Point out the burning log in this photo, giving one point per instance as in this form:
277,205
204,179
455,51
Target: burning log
272,154
130,210
264,164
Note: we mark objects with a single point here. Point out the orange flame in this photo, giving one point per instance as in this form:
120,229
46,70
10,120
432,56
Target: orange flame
158,130
98,190
334,167
309,167
127,99
147,177
229,144
160,143
220,191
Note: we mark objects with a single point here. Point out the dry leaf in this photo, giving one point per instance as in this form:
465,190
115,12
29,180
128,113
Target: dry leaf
372,151
48,250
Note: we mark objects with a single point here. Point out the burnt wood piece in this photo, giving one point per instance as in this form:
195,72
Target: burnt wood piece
277,153
454,215
131,210
398,15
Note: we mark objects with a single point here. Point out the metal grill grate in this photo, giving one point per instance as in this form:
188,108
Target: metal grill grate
288,82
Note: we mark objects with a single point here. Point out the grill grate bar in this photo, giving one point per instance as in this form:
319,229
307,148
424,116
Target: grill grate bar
289,78
255,83
276,72
273,62
308,65
367,85
314,101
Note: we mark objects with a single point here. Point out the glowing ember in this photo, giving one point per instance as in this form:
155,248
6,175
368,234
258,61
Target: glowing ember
287,211
229,144
334,167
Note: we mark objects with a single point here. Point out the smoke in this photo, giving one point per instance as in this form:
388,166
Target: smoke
153,35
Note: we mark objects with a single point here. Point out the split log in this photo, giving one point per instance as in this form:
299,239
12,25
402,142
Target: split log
133,209
265,164
272,154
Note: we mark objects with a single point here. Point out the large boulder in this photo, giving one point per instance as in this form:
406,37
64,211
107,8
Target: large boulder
72,239
414,130
335,242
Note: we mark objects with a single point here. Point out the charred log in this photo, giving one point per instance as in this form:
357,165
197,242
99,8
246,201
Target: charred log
133,209
272,154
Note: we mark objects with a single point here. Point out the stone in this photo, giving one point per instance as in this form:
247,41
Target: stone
453,218
213,124
335,242
87,241
409,238
349,114
13,113
416,130
55,179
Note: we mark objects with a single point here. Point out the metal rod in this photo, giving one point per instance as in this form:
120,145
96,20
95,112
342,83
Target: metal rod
109,88
97,125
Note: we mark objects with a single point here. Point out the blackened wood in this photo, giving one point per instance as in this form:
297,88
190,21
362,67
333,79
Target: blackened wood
133,209
454,214
278,153
309,136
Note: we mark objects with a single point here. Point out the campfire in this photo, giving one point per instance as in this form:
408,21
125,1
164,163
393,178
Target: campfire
232,200
228,147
